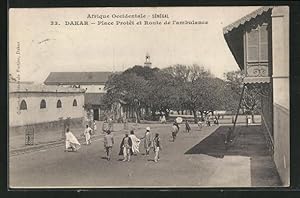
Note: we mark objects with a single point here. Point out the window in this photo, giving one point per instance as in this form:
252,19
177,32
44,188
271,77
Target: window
58,104
257,44
43,104
23,105
74,103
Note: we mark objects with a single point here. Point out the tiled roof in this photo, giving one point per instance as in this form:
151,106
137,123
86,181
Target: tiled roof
39,88
80,78
246,18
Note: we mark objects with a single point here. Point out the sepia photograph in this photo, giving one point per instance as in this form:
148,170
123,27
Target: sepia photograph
149,97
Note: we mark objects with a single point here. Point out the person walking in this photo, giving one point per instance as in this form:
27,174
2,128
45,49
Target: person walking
147,140
135,143
156,147
126,148
187,126
87,134
108,144
72,143
175,130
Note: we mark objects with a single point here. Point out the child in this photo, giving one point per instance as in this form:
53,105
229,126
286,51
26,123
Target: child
157,147
108,143
187,126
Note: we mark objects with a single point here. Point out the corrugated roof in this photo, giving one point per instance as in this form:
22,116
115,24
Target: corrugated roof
246,18
39,88
81,78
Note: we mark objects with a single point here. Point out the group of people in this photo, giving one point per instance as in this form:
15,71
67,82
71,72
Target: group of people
72,144
130,144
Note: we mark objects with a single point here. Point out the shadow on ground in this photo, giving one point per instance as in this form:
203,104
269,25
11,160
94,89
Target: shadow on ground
250,142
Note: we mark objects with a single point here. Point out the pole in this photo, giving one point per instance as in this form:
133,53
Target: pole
238,109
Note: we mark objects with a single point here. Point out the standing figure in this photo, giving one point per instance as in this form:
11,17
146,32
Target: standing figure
110,124
157,147
87,134
200,124
108,144
72,143
95,127
126,148
135,142
187,126
175,130
105,127
163,119
147,140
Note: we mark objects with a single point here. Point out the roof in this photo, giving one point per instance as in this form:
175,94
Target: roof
93,98
39,88
80,78
234,32
246,18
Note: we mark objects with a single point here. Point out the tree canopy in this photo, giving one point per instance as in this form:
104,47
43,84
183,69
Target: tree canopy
177,88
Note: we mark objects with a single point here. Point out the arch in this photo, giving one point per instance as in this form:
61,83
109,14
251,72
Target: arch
43,104
74,103
23,105
58,104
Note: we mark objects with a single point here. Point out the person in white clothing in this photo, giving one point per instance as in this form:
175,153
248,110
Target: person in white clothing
135,142
72,143
87,134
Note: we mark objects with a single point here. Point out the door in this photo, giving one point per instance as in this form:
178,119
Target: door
96,114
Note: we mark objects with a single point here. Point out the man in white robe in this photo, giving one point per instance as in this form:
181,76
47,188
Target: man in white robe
135,142
87,134
72,143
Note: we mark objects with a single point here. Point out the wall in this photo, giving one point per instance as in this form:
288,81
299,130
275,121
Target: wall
93,88
280,50
34,114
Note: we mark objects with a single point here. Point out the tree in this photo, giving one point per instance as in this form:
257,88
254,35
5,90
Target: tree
193,84
251,98
129,87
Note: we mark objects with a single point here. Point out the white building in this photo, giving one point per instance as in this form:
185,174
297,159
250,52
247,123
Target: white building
44,106
92,82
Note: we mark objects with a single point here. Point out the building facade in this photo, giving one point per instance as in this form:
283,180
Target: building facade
259,43
43,106
92,82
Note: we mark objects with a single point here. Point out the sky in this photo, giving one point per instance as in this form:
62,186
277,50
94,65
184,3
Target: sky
45,48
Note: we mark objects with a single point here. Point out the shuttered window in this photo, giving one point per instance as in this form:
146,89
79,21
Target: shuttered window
263,43
257,44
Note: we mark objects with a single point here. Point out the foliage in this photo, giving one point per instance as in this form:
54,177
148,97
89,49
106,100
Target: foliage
251,98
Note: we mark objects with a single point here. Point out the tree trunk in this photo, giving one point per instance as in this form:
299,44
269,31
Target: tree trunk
153,113
195,116
252,116
137,116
